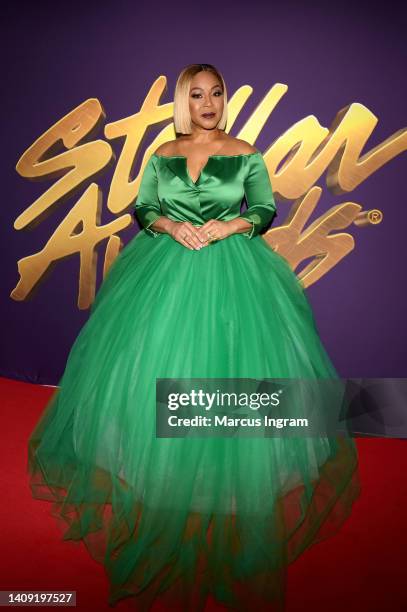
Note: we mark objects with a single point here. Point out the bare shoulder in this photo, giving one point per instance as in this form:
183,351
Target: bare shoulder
167,148
242,147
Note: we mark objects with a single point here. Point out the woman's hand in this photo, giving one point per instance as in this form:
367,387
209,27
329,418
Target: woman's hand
187,234
215,230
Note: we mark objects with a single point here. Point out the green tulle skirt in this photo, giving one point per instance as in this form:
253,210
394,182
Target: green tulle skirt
176,519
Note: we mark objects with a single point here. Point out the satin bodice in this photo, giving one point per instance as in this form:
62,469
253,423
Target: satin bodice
166,188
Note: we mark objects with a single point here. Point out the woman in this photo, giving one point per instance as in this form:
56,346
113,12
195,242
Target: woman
178,519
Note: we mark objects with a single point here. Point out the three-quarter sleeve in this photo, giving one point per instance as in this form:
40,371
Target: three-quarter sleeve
147,205
261,207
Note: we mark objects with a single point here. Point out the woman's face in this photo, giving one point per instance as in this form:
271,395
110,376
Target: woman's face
205,98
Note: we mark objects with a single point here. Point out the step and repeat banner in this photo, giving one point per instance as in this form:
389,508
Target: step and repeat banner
88,96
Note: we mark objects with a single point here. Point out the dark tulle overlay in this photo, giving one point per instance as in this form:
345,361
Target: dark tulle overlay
176,519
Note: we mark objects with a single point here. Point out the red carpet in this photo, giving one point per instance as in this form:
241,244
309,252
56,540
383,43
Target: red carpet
363,568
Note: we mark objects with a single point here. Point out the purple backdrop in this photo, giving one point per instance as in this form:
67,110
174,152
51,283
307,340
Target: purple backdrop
55,58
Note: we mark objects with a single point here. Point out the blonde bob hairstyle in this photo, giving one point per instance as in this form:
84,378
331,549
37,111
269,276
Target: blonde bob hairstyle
182,116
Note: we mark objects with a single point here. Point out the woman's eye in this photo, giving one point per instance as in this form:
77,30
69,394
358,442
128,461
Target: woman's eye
197,95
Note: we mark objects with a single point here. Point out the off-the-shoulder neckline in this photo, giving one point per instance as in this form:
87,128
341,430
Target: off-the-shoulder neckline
215,155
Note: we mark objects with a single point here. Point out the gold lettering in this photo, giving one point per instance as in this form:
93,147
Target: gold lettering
79,233
295,160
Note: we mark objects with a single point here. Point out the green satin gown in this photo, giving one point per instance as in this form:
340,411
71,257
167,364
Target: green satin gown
174,520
